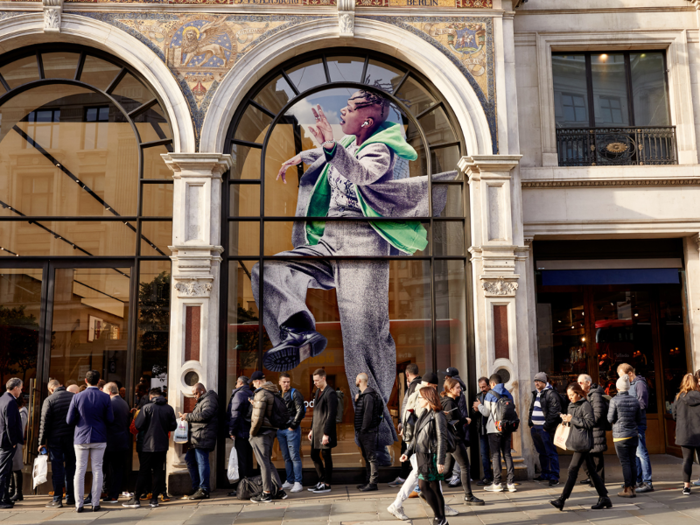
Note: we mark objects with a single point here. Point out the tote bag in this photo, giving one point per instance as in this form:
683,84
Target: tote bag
180,432
561,435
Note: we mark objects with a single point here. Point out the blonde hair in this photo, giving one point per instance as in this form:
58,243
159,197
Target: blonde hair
687,384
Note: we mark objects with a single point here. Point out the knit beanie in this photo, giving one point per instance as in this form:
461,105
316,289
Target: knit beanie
623,384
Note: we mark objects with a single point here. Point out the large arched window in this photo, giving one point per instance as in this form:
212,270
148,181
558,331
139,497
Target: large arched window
365,254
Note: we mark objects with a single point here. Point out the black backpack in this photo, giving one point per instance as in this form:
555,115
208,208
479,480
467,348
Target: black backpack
378,410
606,403
505,416
251,487
279,418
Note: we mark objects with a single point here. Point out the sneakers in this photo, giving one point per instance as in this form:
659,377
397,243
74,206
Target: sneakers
263,497
53,504
540,478
449,511
133,503
485,482
317,485
322,489
646,487
154,503
370,487
553,482
280,494
696,483
473,500
294,348
397,483
452,484
686,491
200,494
397,512
296,488
287,485
493,487
511,487
112,501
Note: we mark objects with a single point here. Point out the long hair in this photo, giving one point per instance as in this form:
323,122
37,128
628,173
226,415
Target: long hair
576,388
448,385
687,384
431,396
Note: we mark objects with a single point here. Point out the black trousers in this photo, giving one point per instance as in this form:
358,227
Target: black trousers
462,458
577,460
368,447
627,453
152,471
245,457
599,463
688,456
114,465
500,444
6,456
433,495
323,469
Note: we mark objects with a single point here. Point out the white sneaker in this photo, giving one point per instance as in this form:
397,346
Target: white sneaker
494,488
449,511
397,482
287,485
397,512
511,487
297,487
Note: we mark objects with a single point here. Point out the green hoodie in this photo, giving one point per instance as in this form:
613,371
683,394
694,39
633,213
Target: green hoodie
407,236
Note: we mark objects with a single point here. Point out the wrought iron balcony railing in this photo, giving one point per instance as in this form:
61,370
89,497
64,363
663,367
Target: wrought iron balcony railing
638,145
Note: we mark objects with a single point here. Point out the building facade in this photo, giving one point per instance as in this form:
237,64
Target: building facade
535,208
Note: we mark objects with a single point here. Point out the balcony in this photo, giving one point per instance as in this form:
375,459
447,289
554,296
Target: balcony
624,146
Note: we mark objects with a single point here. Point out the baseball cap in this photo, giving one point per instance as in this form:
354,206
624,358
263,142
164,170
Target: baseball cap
257,376
430,377
451,372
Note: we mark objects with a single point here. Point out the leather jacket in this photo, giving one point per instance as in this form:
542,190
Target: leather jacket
430,436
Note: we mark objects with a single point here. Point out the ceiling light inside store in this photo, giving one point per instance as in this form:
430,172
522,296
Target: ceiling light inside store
603,57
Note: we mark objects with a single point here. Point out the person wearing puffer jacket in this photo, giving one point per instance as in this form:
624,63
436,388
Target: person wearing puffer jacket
686,413
625,415
594,395
581,421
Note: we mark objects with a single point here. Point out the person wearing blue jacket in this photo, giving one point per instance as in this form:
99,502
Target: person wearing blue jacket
10,436
90,411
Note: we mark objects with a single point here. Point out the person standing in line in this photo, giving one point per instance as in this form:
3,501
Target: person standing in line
90,411
155,420
238,414
430,446
581,420
640,390
262,437
204,426
484,388
543,421
73,389
625,415
452,373
686,414
57,435
117,452
290,438
368,410
457,423
10,436
323,435
412,381
17,479
499,442
594,395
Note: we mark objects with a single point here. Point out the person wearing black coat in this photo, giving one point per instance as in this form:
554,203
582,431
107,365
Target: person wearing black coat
118,443
625,415
594,395
581,421
323,435
10,436
686,414
457,424
204,425
366,430
289,437
155,421
238,415
57,435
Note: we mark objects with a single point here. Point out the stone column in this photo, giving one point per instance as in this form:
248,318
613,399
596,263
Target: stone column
501,282
194,311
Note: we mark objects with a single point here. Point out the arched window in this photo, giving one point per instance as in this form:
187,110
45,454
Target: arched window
358,260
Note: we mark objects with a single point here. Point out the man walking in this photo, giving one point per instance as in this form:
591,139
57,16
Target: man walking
10,436
117,452
640,390
290,437
412,381
56,434
90,411
499,442
239,413
594,395
323,434
481,421
368,415
154,421
543,421
262,437
204,424
453,373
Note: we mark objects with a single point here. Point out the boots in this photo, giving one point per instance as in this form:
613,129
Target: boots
628,492
558,503
603,503
17,479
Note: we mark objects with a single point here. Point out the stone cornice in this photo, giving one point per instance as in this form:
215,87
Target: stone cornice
527,184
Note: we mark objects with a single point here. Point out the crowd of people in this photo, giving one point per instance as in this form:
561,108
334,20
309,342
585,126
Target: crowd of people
95,423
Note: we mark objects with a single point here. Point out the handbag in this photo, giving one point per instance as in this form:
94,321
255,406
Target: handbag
232,473
562,435
181,432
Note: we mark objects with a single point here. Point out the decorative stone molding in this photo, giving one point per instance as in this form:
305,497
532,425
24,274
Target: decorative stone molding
609,183
500,287
697,240
193,288
346,18
52,15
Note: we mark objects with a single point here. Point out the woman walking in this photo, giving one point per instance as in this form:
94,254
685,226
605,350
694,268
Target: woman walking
625,415
581,422
686,413
457,425
430,446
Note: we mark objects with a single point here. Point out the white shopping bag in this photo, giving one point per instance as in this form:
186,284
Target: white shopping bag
233,465
180,432
41,470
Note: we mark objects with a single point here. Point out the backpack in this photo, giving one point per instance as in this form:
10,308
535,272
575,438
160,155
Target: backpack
505,416
378,411
303,406
607,425
251,487
279,418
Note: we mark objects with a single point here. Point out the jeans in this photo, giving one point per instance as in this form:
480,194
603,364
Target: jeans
151,463
549,459
409,484
598,463
197,460
643,462
290,445
115,465
626,451
325,473
578,459
406,465
245,457
60,452
485,456
262,448
96,452
500,444
6,456
368,448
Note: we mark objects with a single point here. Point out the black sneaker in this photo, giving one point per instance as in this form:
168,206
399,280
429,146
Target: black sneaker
70,502
370,487
53,504
280,494
686,491
485,482
294,348
473,500
263,497
200,494
133,503
586,481
112,501
540,478
553,482
96,509
154,503
322,489
80,509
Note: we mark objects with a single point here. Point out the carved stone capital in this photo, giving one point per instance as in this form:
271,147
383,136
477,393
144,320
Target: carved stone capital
500,288
479,167
346,18
207,165
52,15
192,287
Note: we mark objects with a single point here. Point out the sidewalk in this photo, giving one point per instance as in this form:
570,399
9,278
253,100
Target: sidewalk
346,506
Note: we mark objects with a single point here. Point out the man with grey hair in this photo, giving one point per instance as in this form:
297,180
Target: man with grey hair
238,416
596,397
10,436
118,443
